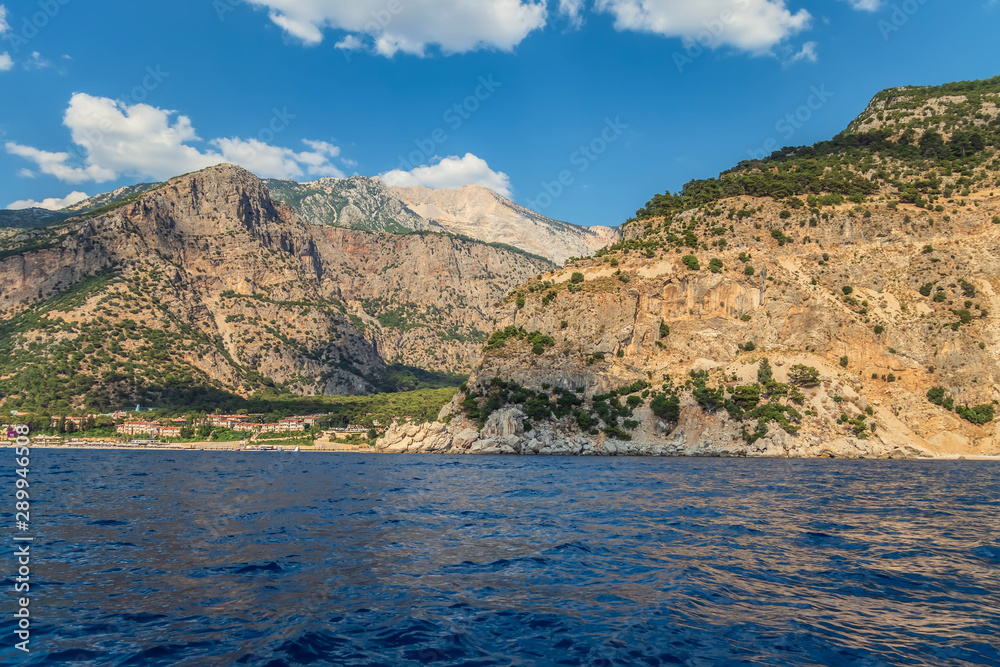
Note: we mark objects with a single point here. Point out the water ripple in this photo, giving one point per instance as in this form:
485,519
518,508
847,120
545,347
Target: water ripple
308,559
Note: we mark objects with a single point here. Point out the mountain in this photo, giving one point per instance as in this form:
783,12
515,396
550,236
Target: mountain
482,214
359,202
202,287
831,300
29,218
472,211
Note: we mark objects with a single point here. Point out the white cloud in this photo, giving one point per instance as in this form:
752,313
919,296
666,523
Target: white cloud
52,203
4,26
117,139
866,5
754,26
276,162
57,164
411,26
573,11
451,172
6,62
807,52
350,43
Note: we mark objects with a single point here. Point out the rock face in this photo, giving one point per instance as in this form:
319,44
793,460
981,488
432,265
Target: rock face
204,282
884,311
472,211
358,202
695,434
480,213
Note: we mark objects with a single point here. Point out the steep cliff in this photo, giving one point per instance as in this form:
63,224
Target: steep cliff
204,285
845,308
482,214
472,212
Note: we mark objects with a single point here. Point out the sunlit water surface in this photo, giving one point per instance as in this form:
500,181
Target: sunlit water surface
190,558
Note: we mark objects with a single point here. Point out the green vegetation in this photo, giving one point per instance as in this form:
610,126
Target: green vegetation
803,376
691,262
955,142
979,414
539,341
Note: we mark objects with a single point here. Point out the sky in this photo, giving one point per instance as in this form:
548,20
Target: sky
578,109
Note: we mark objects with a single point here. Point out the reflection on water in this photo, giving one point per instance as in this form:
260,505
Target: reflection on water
284,559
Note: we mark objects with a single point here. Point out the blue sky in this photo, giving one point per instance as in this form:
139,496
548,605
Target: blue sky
579,109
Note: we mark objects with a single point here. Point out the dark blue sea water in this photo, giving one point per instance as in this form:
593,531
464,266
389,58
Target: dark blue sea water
196,558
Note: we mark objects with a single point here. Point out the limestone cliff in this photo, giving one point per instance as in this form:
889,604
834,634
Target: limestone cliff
204,284
480,213
472,212
883,302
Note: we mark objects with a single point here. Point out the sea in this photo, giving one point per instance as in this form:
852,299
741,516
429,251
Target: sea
285,558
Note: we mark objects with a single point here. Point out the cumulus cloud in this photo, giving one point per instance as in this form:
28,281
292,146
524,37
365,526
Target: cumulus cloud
269,161
411,26
57,164
6,62
451,172
52,203
573,11
116,139
754,26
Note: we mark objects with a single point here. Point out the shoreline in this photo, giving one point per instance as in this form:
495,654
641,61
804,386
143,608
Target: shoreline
344,450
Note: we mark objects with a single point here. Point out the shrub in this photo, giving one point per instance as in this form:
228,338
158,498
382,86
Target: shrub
847,289
980,414
749,346
691,262
879,329
936,395
939,297
926,289
964,316
928,249
666,407
715,265
664,330
803,376
576,278
844,361
785,214
748,270
520,302
624,278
